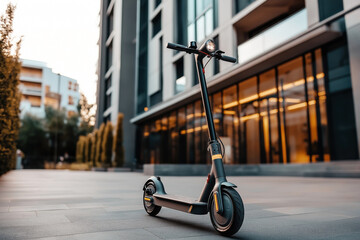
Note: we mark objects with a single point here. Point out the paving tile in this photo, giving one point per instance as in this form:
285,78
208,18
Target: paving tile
33,221
37,208
292,210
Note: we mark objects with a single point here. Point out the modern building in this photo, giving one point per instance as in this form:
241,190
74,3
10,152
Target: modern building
41,87
116,68
292,97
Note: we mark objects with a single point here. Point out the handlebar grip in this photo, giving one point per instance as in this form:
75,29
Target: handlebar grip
228,59
177,47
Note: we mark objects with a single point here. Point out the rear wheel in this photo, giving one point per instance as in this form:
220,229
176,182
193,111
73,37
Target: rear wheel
230,221
150,208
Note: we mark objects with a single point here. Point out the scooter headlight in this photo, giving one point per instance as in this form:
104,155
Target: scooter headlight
210,46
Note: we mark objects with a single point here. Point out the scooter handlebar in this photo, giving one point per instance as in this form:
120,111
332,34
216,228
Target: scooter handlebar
227,59
177,47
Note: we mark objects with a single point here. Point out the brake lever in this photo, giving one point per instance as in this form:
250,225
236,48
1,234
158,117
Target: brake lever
217,54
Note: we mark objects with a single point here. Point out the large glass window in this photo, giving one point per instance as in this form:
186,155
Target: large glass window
343,140
322,120
190,133
180,81
199,147
293,107
156,24
249,121
269,127
217,112
109,55
200,19
297,112
230,138
110,23
174,138
142,80
328,8
182,135
241,4
164,140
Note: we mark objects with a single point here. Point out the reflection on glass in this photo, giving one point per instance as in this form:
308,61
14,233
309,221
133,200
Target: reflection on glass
322,104
205,158
269,132
145,144
191,10
217,111
200,28
165,146
190,133
191,32
314,146
199,149
174,137
182,137
249,121
209,22
230,138
293,104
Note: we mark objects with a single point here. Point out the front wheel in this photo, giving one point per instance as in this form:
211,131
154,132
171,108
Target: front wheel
230,221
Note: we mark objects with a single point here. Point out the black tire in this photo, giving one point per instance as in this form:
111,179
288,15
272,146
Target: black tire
150,208
232,217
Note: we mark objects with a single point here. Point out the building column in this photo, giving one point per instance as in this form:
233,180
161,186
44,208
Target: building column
353,36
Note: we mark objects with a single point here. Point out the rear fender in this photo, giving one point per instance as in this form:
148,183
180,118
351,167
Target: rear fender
158,184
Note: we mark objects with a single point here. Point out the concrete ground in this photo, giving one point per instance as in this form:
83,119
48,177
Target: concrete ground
45,204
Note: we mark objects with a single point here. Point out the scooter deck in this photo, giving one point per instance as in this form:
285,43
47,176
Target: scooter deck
180,203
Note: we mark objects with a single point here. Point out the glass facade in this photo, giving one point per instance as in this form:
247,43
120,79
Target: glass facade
201,19
281,115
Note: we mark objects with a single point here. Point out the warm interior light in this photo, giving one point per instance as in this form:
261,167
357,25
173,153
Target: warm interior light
146,109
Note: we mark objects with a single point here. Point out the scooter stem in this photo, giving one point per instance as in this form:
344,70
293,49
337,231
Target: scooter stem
205,97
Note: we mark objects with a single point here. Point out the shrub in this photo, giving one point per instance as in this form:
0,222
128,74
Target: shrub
107,144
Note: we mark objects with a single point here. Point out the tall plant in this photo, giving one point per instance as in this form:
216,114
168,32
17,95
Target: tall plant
99,143
118,147
93,147
9,93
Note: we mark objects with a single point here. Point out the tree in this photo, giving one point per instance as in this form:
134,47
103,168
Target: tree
86,114
9,93
107,144
55,125
33,142
99,143
70,135
118,147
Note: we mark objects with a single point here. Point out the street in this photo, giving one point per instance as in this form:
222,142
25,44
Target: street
50,204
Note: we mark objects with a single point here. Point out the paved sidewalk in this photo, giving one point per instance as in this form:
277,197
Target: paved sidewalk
45,204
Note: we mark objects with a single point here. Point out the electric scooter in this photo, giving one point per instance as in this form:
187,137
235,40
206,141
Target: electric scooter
218,195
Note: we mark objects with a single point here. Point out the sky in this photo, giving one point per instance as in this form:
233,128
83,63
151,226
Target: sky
61,33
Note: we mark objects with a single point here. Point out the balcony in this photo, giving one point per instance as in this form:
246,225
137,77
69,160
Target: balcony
273,37
33,91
